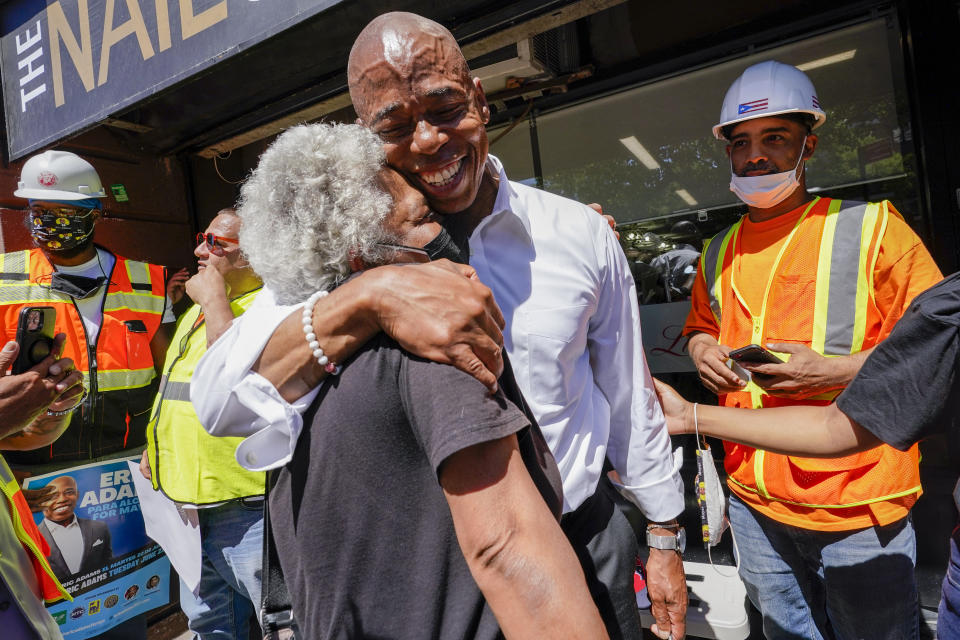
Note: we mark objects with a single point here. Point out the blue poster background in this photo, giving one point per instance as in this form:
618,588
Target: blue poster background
135,580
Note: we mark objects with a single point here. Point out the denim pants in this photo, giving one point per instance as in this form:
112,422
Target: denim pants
816,585
948,617
231,540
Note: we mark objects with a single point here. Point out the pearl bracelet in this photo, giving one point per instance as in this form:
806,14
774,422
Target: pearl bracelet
328,366
58,414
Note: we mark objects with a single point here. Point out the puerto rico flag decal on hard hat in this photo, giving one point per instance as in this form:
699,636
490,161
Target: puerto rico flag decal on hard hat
748,107
47,178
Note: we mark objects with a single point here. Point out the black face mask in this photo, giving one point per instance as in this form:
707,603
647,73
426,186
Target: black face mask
54,230
75,286
443,246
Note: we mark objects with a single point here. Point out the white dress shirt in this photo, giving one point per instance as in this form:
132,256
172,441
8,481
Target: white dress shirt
69,540
232,400
572,334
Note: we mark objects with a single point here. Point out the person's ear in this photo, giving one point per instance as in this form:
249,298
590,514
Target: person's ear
810,145
356,263
482,105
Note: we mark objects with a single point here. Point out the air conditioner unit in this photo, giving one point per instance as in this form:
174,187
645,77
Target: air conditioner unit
521,64
541,57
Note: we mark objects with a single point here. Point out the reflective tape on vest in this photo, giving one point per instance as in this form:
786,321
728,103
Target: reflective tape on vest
842,289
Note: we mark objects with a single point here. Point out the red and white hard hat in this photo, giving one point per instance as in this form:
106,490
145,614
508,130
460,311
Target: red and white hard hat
768,89
59,175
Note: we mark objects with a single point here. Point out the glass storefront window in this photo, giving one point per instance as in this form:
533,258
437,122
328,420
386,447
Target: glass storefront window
648,154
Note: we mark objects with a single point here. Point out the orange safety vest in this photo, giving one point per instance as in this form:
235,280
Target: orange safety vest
819,294
30,537
117,369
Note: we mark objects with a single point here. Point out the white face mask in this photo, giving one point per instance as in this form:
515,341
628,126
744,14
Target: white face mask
710,497
764,192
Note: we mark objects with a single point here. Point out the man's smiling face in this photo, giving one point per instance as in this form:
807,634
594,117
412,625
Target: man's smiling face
61,505
412,87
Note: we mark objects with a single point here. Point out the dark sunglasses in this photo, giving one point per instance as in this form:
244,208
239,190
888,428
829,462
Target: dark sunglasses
215,241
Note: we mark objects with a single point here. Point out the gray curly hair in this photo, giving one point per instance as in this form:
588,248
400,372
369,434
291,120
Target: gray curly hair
311,205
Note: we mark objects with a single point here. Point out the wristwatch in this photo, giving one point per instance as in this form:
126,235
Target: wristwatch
677,542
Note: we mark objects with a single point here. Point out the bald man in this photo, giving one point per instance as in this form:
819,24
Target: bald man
77,545
567,296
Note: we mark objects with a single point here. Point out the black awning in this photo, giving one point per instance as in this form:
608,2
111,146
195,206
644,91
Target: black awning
183,81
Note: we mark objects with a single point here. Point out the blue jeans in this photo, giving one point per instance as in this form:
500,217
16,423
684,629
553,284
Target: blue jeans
231,540
948,617
811,585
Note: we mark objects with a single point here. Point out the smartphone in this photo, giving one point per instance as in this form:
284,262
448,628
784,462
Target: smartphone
35,331
754,354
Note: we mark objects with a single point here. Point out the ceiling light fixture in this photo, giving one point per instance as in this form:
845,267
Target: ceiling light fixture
633,146
686,197
822,62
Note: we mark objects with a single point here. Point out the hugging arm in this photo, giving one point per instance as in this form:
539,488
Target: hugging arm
439,311
514,547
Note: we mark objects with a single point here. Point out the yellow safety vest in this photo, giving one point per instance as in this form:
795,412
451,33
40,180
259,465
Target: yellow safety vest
189,465
30,537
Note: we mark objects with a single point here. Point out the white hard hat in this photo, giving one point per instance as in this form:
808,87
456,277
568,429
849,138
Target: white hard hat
58,175
768,89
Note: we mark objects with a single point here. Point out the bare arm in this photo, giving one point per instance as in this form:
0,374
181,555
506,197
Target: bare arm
514,547
40,433
439,311
811,431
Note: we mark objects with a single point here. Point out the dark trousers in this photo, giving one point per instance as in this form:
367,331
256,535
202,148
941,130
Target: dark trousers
606,545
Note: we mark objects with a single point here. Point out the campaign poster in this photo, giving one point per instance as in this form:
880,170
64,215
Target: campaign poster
99,549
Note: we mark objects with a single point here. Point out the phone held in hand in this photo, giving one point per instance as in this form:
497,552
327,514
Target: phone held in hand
35,331
753,354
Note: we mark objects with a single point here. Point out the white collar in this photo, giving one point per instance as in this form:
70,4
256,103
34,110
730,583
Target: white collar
71,524
508,200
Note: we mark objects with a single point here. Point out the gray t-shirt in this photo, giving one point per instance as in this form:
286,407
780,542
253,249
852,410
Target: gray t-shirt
362,528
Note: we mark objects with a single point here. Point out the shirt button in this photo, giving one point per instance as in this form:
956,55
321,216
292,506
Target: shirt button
251,457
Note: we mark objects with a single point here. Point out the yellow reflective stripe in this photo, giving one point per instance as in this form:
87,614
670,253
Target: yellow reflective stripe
24,294
861,503
138,272
10,488
758,456
124,379
711,266
865,278
134,301
15,262
822,298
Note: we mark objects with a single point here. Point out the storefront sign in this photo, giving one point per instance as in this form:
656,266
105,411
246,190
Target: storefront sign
666,348
68,64
112,569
